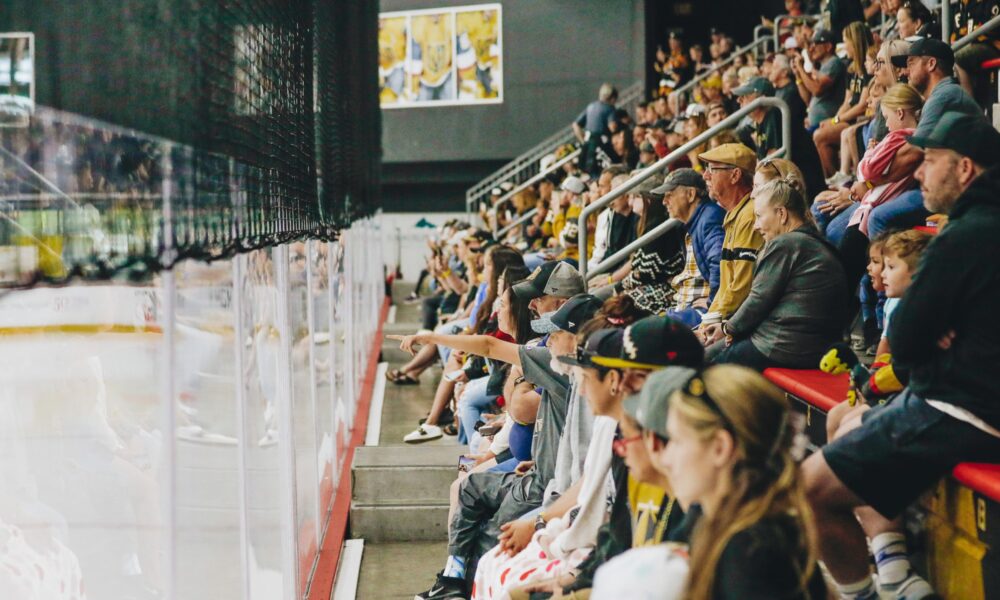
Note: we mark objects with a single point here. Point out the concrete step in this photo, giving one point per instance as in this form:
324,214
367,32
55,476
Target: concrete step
406,523
400,493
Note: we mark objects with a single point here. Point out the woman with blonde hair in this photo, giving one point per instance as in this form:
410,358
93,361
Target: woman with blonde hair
695,125
779,168
731,456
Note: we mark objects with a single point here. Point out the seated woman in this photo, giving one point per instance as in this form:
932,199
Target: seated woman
796,307
646,277
731,458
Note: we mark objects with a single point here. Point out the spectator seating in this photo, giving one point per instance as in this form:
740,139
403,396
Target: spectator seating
962,519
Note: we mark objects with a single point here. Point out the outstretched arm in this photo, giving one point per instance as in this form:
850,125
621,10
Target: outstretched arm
479,345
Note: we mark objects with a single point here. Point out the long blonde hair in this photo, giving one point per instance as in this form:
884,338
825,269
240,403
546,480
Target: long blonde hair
903,96
857,37
765,481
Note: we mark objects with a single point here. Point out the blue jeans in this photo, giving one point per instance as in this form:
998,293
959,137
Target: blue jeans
902,212
833,226
470,409
451,328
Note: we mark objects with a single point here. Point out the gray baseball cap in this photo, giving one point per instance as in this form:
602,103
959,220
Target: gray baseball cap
649,406
554,278
679,178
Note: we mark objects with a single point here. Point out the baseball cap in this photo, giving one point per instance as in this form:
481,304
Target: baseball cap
656,342
649,407
931,47
823,36
573,184
736,155
968,135
712,81
678,178
479,235
578,310
646,147
554,278
757,85
648,185
603,342
791,43
661,124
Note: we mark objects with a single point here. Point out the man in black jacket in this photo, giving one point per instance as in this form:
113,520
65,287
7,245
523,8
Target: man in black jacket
946,331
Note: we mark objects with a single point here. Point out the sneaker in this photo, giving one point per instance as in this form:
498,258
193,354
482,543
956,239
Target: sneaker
914,587
424,433
445,588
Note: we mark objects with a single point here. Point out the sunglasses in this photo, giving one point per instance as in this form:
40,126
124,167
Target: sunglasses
620,445
695,387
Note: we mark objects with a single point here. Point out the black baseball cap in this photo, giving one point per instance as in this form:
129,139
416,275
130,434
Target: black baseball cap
931,47
824,36
679,178
968,135
601,343
656,342
553,278
578,310
661,124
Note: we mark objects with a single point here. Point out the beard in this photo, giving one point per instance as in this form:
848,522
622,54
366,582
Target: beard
942,198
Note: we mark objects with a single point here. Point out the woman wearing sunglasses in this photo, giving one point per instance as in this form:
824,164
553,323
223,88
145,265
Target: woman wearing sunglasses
731,458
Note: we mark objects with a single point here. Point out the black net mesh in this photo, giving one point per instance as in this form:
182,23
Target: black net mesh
179,128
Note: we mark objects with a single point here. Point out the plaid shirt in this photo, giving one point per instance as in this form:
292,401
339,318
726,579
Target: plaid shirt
690,285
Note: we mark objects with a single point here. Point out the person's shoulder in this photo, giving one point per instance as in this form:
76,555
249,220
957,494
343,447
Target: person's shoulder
771,537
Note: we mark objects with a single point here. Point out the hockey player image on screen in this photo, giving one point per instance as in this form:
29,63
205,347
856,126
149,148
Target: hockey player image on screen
391,59
478,56
431,57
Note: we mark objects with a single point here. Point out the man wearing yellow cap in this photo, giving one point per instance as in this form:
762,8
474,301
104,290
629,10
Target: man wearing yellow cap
729,176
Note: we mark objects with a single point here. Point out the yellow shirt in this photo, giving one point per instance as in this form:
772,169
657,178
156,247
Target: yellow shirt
739,255
433,34
651,508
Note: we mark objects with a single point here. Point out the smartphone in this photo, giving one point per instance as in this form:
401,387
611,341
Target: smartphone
489,430
454,375
465,463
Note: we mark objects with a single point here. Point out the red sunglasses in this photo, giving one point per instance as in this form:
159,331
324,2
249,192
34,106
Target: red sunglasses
620,445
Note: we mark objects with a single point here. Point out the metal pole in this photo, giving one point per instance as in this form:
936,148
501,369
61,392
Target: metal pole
945,21
540,176
525,217
987,27
781,19
666,161
651,235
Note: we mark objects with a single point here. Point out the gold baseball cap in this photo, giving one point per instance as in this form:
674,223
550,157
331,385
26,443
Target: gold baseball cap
736,155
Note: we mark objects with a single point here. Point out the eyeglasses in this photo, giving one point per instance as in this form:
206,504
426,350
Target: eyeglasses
695,387
620,445
713,168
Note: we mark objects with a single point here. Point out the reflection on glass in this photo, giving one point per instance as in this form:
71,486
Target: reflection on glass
17,79
82,431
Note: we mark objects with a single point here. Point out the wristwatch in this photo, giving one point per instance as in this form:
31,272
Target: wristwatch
539,522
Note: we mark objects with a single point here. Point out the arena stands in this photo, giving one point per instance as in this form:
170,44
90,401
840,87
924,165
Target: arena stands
685,365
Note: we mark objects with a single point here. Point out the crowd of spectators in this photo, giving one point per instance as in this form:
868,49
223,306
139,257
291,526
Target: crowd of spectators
622,441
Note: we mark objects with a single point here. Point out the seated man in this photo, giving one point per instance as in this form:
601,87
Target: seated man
685,197
729,177
945,331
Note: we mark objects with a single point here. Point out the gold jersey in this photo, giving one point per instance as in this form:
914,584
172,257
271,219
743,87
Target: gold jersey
433,36
391,42
481,26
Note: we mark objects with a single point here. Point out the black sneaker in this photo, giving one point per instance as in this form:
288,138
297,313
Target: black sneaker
445,588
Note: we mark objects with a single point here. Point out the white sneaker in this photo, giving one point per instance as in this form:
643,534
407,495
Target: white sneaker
424,433
914,587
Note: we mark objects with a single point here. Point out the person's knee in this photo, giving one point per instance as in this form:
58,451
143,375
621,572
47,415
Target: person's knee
819,482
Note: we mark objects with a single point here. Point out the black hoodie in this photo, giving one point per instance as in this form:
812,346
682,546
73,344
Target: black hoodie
956,288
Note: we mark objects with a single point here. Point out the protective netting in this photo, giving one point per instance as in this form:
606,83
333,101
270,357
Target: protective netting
178,128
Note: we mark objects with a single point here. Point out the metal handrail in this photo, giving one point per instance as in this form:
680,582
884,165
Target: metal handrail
945,20
732,58
758,33
781,19
525,217
628,98
651,235
538,177
666,161
985,28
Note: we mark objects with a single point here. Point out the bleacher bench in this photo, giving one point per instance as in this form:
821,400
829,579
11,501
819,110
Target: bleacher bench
962,513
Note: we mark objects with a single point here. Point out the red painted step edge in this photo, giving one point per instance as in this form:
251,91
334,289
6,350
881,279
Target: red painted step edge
329,551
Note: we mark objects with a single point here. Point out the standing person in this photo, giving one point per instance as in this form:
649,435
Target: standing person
827,83
729,178
592,126
685,196
943,330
